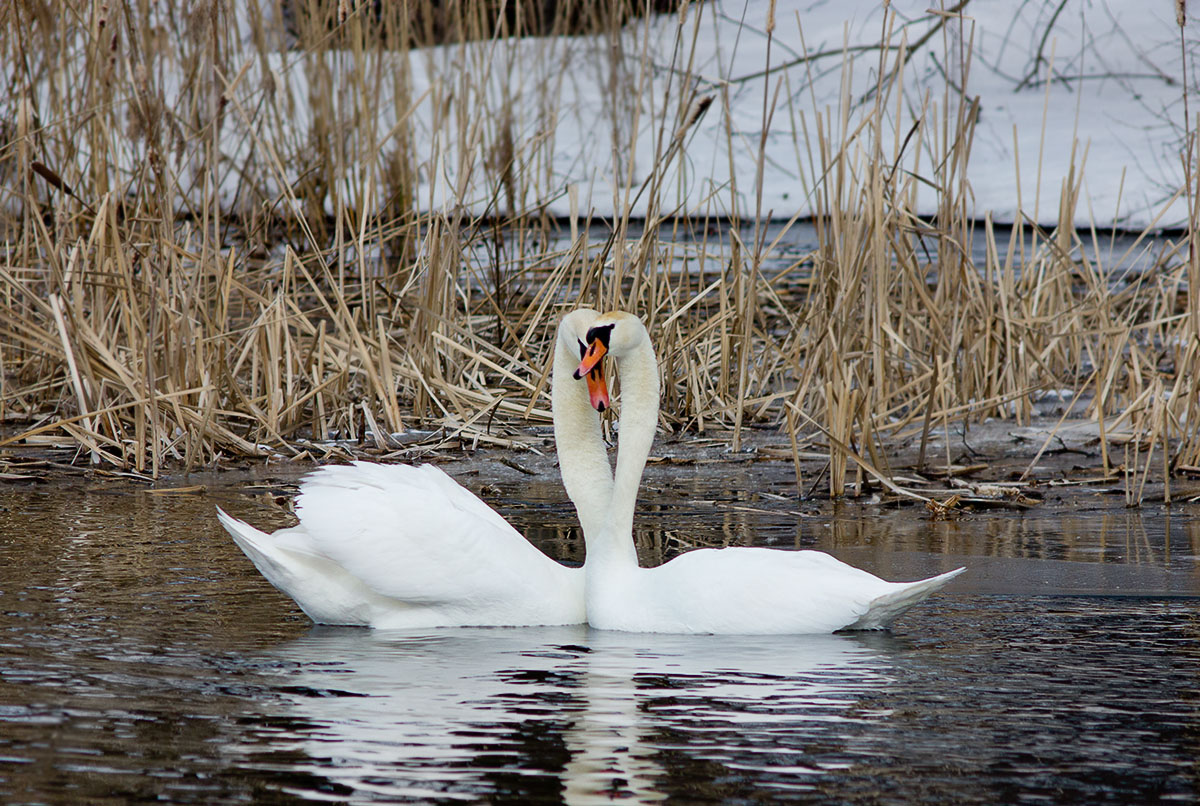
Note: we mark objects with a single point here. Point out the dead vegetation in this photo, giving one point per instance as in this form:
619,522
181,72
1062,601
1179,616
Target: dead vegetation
154,317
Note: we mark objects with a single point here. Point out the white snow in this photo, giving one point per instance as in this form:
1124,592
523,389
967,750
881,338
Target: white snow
584,137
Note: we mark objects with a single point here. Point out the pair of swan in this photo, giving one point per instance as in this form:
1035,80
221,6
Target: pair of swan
394,546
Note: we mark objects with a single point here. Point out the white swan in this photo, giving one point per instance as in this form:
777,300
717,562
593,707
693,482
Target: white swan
730,590
395,546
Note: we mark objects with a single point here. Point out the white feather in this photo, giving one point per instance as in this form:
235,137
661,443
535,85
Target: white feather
753,591
400,546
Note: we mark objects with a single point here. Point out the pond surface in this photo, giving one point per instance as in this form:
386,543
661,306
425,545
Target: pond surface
143,658
1121,256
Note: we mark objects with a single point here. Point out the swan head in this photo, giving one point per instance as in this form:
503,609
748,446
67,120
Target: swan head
573,333
615,333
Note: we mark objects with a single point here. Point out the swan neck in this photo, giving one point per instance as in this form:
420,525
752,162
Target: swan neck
639,421
582,455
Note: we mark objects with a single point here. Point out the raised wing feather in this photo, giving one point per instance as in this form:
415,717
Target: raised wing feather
414,534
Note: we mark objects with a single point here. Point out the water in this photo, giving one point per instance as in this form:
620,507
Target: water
142,658
1123,257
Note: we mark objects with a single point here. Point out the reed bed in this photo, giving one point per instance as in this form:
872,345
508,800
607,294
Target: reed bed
353,291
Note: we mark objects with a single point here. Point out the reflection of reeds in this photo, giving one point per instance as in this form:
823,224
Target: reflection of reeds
147,320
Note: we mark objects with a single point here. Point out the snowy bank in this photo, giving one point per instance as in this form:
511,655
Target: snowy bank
1078,92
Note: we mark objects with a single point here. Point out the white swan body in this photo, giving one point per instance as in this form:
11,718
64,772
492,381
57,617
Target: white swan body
394,546
731,590
742,590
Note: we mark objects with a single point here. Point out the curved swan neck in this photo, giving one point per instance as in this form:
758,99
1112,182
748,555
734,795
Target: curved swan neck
582,456
638,371
639,420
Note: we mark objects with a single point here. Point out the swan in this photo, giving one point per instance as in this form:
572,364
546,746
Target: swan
396,546
736,590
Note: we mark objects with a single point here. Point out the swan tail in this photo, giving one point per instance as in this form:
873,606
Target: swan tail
325,592
250,540
883,609
279,564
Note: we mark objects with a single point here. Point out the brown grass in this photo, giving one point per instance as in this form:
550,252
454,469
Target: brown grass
153,323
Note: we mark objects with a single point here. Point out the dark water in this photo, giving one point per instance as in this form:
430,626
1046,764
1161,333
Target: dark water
1123,257
142,658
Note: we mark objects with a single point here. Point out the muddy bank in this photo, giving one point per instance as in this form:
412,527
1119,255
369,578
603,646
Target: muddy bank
953,470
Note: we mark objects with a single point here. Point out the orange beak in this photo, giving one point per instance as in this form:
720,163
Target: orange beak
591,358
591,367
598,389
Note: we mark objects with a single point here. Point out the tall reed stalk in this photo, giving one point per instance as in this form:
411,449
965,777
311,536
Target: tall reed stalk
189,274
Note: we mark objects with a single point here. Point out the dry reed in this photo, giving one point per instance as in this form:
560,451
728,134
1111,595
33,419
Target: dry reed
345,293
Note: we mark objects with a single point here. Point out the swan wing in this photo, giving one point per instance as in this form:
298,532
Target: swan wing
772,591
415,535
322,589
757,590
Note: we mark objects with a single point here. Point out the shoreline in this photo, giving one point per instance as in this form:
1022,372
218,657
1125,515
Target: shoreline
996,464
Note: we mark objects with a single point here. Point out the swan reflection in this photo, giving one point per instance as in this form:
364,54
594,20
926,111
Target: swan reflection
556,713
